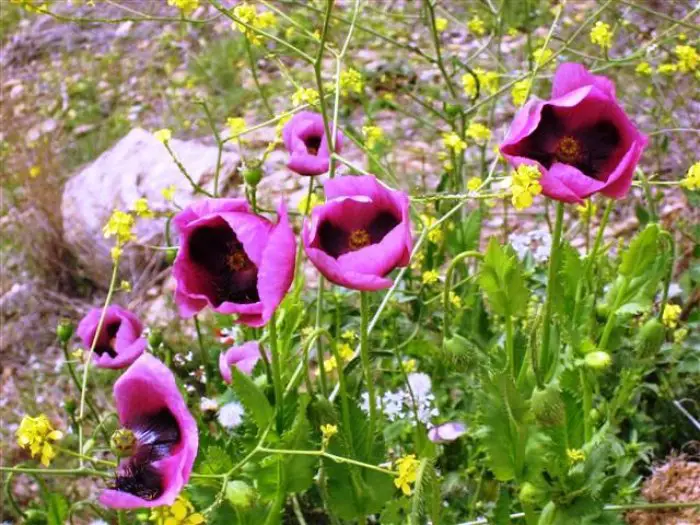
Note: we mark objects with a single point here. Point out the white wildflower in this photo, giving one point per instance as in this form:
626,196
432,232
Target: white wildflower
231,415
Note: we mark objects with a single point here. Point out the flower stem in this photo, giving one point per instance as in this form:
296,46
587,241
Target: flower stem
367,366
553,267
276,372
509,345
448,287
203,354
319,345
587,405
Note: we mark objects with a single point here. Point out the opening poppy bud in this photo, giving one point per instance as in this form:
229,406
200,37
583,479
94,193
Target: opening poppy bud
530,495
651,336
155,338
598,360
64,330
170,255
122,442
548,406
253,175
239,494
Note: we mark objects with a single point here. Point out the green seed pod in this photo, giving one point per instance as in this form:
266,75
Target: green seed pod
548,406
170,255
530,495
122,442
70,405
459,353
239,494
155,338
650,338
252,175
598,360
64,330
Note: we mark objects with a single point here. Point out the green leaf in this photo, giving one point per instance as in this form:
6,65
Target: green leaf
216,461
253,399
502,281
641,253
56,509
501,512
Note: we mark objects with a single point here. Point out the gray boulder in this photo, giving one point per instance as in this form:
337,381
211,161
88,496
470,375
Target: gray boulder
137,166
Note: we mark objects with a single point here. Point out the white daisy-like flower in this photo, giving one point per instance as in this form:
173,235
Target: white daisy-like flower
231,415
208,405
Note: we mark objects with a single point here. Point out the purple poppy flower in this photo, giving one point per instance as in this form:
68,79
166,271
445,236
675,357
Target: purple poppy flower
360,234
305,139
150,405
581,139
119,342
447,432
243,357
233,260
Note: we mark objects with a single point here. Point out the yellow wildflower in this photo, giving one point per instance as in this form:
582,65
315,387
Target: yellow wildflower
330,364
478,132
454,142
667,69
351,82
308,203
417,260
307,331
249,20
670,315
186,6
181,512
142,209
520,91
474,183
34,172
455,300
305,96
125,286
476,25
115,252
688,58
120,225
692,178
407,467
346,352
36,434
409,366
168,192
373,136
575,455
488,82
542,55
349,335
430,277
328,431
644,69
680,335
601,35
525,185
441,24
163,135
236,125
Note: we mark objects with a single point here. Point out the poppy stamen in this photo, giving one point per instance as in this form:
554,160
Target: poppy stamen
237,260
568,150
359,239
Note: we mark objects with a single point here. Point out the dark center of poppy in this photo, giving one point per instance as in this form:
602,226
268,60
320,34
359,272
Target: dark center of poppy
568,150
227,274
336,241
107,341
313,144
359,239
156,435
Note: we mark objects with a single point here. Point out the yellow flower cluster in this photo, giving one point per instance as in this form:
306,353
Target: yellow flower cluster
249,21
308,203
435,235
520,91
186,6
346,352
31,5
351,82
478,132
163,135
476,25
305,96
644,69
330,364
327,432
542,55
179,513
120,225
454,142
141,209
575,455
441,24
488,82
409,365
236,125
407,467
125,286
168,192
688,58
430,277
373,135
525,185
34,172
601,35
474,183
671,314
36,434
692,178
349,335
455,300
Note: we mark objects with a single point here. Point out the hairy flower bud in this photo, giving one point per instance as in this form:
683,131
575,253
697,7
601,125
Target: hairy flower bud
548,406
651,337
239,493
64,330
598,360
122,442
155,338
530,495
